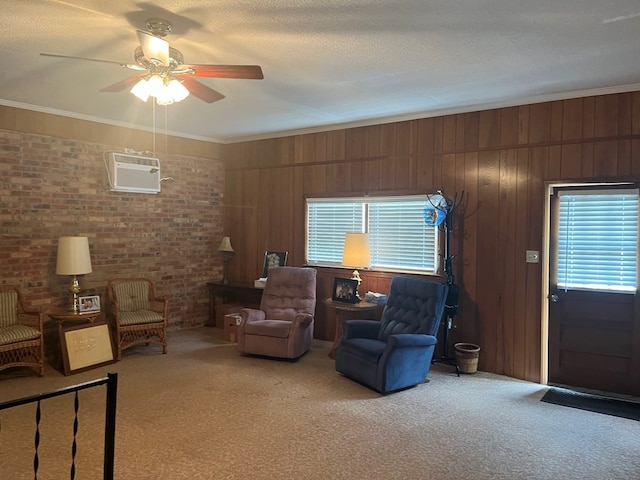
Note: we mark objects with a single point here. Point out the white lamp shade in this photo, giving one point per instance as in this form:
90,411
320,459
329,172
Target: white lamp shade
73,256
356,251
225,245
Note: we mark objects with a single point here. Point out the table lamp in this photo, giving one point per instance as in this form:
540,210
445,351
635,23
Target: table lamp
227,252
356,254
73,259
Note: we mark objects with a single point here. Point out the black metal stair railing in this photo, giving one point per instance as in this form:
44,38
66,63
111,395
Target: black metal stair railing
111,381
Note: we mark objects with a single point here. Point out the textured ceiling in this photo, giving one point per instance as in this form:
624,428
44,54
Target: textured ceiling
327,63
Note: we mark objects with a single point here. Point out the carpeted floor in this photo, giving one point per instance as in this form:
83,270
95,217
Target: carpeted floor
204,412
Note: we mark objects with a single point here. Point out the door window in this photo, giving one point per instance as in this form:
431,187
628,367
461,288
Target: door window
598,240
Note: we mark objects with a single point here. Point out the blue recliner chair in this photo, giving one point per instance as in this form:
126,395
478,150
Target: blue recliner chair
396,352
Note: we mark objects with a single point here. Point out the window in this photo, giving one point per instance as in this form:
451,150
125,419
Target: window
399,238
598,240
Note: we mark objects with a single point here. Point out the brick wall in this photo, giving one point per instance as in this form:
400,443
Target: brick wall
51,187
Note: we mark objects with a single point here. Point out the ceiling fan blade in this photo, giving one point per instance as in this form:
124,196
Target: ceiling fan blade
253,72
200,90
126,65
127,83
155,49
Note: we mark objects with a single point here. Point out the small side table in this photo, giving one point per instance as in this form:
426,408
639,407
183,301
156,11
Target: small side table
345,311
245,294
52,329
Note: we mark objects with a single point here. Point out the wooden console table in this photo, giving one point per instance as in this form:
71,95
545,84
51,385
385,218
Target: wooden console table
244,294
345,311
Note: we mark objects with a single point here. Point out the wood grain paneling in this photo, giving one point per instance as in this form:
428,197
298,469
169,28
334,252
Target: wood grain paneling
501,158
48,124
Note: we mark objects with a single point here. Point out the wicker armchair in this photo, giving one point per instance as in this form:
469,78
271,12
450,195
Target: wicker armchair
139,317
21,338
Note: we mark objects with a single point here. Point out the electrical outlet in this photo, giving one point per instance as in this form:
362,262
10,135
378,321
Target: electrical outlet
533,256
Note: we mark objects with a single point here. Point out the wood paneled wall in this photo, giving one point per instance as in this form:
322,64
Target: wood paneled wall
29,121
499,158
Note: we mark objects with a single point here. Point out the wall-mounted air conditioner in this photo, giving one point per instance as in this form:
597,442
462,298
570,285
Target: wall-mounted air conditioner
133,173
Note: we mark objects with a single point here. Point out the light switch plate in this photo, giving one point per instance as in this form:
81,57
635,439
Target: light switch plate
533,256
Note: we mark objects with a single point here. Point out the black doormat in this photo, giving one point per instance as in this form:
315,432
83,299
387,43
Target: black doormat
593,403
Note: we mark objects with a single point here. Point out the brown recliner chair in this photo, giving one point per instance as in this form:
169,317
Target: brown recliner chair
283,327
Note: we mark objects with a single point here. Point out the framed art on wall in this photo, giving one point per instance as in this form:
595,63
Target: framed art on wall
273,260
345,290
86,346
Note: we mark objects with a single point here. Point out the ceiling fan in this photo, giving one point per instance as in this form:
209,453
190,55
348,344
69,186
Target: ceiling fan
163,73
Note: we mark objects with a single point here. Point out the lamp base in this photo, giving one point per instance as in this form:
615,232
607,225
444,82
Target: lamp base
226,256
75,290
356,276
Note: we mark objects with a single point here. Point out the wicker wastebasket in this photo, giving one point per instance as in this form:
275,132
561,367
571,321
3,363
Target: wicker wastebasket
467,357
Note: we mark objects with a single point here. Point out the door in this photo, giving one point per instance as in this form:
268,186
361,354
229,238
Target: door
594,331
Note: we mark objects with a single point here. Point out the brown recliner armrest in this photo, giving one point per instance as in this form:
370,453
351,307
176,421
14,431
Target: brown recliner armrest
303,319
251,315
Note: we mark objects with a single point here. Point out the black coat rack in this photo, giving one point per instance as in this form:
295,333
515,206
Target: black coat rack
453,296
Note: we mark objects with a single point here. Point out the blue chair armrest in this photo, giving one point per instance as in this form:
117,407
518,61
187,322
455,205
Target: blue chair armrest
411,340
406,360
360,329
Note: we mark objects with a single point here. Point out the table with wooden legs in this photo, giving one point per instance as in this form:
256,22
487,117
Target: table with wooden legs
346,311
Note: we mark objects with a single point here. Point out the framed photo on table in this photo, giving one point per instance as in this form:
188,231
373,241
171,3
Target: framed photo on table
345,290
273,260
89,304
85,347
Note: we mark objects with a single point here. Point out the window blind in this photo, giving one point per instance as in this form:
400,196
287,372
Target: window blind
327,224
399,237
598,240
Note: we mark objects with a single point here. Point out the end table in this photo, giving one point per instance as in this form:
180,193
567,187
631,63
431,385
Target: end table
350,310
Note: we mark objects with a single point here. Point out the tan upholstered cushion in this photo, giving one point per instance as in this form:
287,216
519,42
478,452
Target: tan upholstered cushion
132,296
8,308
139,317
269,328
289,291
17,333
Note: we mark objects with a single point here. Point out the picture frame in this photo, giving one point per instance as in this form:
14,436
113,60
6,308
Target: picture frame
345,290
272,260
85,347
89,304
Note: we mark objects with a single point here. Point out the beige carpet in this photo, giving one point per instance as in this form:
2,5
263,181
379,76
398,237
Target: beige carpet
204,412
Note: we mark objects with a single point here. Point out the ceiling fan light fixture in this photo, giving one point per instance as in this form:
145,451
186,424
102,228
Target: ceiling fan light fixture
177,90
164,97
165,89
155,85
141,90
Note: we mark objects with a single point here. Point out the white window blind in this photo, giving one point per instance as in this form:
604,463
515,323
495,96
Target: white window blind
399,238
327,223
598,240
